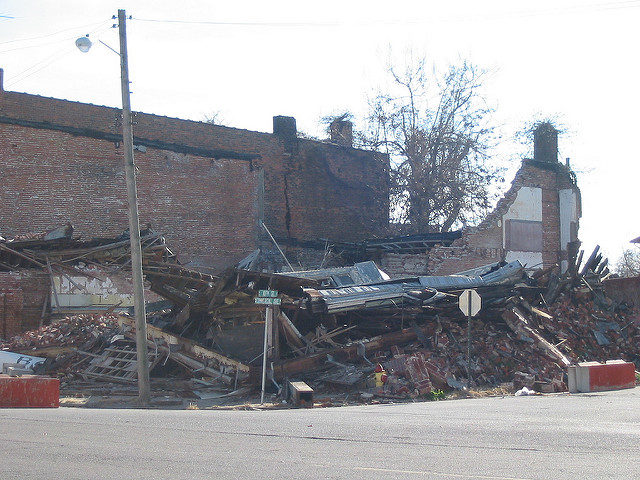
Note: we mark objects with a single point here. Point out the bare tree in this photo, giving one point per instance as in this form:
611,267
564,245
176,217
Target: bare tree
628,265
215,118
438,134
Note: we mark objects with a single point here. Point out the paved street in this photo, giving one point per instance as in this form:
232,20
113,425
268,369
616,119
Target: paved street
561,436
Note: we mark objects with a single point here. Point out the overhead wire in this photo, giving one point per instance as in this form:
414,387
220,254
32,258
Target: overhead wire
581,8
44,63
55,33
620,4
50,60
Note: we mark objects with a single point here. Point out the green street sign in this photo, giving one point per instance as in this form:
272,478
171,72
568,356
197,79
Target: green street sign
267,301
268,293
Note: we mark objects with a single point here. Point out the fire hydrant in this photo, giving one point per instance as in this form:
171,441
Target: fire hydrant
380,375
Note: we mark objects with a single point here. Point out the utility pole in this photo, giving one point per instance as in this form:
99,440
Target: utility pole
144,390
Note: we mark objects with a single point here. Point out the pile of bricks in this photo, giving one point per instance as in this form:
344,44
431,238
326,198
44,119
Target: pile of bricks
71,330
500,356
591,334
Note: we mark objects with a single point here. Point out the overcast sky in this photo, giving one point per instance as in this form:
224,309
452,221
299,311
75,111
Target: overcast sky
576,61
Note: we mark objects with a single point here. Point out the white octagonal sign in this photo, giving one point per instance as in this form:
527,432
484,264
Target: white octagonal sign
470,302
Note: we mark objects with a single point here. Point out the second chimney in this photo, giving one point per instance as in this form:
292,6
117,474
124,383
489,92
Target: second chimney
545,143
285,127
341,132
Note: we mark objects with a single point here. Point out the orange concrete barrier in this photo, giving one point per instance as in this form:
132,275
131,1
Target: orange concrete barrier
598,377
29,391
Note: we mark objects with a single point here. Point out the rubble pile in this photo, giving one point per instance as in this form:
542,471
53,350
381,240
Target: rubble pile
69,331
590,333
339,329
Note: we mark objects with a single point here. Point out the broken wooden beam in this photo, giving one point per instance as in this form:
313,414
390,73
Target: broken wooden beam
187,346
517,322
315,361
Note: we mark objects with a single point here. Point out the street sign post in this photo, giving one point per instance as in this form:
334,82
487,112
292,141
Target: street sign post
470,303
268,298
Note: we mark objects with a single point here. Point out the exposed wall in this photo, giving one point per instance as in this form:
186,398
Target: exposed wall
22,296
533,223
525,225
100,289
50,178
624,290
198,183
404,264
569,217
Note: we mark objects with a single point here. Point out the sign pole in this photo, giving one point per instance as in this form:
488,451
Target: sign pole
470,304
469,337
267,320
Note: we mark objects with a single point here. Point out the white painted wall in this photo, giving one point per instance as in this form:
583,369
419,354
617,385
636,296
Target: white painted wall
528,259
526,206
568,214
92,292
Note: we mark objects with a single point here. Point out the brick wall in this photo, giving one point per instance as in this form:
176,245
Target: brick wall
460,257
401,265
206,206
483,244
624,290
22,295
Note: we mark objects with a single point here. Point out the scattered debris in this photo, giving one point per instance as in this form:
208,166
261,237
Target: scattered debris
342,331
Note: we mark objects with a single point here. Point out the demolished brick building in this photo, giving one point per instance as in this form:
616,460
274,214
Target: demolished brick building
535,222
208,188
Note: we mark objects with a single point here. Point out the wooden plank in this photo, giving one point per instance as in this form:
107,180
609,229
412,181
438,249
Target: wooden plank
517,322
292,334
312,362
196,365
53,285
187,345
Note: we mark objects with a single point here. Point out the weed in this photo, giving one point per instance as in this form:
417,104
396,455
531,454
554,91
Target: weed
436,395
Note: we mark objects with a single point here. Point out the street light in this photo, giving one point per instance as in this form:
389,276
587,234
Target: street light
84,44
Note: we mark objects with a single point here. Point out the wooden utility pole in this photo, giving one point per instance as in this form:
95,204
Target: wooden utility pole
144,390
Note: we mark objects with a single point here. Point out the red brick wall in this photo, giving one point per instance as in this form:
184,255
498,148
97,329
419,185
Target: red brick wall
403,264
22,295
624,290
460,257
50,178
482,245
312,189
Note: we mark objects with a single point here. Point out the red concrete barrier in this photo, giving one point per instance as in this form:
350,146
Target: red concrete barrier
597,377
29,391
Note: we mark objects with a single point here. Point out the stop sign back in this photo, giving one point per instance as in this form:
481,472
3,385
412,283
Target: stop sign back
470,302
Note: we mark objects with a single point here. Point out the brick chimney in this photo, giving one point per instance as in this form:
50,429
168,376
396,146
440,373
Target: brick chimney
285,127
545,143
341,132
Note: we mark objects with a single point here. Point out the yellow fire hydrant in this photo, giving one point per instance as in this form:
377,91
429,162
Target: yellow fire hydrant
380,375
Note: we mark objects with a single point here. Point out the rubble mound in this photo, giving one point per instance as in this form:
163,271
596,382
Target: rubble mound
72,330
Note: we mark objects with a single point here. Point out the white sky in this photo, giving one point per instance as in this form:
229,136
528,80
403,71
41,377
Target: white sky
574,60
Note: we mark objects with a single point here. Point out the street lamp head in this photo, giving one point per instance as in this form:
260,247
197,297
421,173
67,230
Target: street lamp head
83,44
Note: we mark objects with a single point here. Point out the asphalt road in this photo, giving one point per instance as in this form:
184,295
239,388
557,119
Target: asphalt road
556,437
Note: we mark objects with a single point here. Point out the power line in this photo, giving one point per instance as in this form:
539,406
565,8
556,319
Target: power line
55,33
240,24
54,42
54,58
617,5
